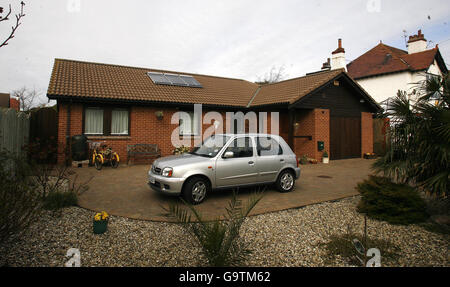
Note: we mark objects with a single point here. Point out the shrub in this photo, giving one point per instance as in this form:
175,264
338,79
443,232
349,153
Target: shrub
20,201
180,150
395,203
60,199
219,240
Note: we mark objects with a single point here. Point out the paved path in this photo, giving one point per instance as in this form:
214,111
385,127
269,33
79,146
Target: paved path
124,191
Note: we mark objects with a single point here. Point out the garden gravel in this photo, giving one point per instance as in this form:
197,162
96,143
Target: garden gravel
286,238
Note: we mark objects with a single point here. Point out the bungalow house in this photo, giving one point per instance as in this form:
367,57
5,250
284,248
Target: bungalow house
127,105
383,70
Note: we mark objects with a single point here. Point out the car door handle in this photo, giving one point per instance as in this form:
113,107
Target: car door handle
282,160
251,162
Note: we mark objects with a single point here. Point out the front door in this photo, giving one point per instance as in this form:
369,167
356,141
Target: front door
241,168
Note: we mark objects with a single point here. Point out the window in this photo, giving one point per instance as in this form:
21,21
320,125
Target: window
93,121
106,121
189,124
119,122
266,146
241,147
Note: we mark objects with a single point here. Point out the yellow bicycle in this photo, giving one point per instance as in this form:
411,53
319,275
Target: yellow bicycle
103,156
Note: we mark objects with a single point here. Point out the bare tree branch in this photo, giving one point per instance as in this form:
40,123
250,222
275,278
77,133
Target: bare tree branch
13,28
275,75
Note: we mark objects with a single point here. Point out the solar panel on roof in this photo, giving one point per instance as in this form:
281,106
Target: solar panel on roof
176,80
158,78
191,81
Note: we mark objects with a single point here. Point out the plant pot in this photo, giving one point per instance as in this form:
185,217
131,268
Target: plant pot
325,160
100,226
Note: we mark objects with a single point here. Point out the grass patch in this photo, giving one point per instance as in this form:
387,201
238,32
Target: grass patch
341,246
384,200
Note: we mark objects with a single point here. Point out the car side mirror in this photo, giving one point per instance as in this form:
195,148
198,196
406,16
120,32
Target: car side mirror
228,154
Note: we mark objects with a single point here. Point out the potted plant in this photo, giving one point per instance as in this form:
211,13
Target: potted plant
159,115
101,222
325,158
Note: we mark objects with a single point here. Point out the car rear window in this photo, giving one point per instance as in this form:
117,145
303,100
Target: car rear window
266,146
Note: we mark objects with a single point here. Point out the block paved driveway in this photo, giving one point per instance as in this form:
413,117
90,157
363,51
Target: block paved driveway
124,191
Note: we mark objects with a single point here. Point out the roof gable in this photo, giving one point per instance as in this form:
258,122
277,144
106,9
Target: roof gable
290,91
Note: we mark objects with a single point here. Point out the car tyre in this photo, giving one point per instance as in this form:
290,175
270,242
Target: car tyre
285,181
195,190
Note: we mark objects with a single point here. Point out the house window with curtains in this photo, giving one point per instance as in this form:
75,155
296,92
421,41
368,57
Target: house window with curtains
106,121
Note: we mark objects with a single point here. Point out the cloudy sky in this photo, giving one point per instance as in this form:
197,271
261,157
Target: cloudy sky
239,39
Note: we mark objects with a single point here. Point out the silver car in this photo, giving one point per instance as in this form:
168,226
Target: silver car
225,161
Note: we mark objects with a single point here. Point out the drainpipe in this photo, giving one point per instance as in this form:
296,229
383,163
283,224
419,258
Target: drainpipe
67,149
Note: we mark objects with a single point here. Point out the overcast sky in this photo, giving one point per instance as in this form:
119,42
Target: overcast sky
238,39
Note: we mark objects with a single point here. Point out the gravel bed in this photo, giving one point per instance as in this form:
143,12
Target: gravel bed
286,238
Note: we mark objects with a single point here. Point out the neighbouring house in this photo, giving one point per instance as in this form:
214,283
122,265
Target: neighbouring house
7,102
127,105
384,70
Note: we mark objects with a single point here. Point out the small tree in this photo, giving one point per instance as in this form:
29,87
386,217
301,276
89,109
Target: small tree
220,239
19,16
28,99
275,75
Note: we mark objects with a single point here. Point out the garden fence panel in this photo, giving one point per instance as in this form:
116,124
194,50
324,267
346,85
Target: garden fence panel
14,130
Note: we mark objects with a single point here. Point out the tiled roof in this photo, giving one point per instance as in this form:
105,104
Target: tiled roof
92,80
290,91
85,80
383,59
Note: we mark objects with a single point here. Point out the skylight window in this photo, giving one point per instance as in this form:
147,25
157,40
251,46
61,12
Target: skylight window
174,80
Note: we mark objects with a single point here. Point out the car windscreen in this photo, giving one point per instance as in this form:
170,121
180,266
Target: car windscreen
211,146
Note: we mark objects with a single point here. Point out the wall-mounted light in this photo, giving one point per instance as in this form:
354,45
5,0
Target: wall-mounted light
362,101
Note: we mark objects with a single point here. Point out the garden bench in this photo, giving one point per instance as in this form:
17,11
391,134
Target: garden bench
147,151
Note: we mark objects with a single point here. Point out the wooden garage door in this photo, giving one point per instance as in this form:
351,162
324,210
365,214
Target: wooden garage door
345,137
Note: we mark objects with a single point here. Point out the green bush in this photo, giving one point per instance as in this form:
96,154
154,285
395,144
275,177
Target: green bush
60,199
395,203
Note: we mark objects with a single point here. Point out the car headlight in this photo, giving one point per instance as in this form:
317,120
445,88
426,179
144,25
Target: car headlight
167,172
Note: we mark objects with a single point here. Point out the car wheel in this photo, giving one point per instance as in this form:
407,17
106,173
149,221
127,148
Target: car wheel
195,190
286,181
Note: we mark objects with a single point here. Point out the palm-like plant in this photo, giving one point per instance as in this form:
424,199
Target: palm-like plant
419,150
220,240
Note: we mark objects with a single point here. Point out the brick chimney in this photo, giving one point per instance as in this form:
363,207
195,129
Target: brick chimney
338,57
417,43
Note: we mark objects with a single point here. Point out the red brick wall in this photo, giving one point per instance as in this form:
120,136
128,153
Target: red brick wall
14,104
144,128
315,123
322,131
366,133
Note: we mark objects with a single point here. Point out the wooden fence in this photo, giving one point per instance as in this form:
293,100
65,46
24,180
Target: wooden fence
14,130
